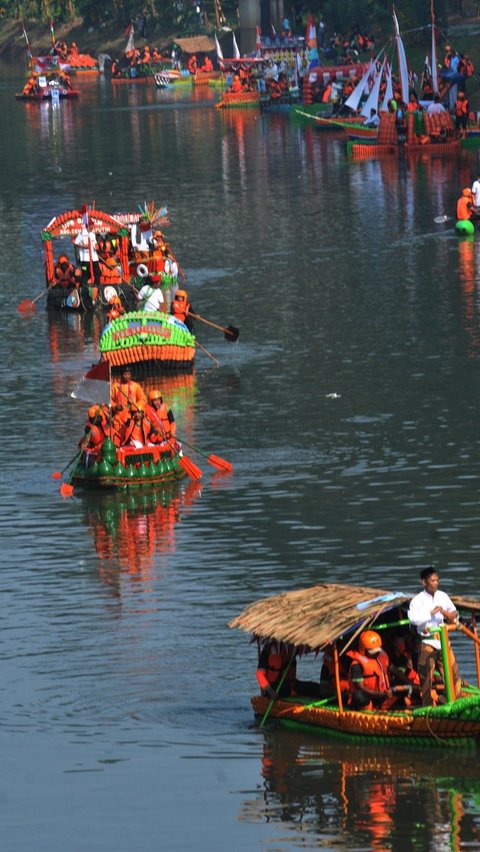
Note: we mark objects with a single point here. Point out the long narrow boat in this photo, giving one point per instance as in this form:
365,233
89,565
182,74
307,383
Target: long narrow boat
334,615
127,467
151,339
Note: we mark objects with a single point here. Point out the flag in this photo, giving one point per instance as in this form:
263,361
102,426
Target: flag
52,32
311,42
85,216
130,45
259,42
218,48
434,52
236,52
274,32
94,386
27,43
402,60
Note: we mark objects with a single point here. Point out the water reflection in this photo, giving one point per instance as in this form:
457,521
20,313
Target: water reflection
366,796
130,529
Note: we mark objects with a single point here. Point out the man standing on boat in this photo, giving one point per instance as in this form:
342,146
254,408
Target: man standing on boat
150,296
428,610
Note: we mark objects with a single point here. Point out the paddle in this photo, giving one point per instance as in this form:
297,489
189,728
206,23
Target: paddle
28,306
203,348
230,332
215,461
57,474
277,689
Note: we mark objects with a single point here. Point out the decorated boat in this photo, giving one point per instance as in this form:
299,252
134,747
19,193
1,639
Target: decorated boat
148,339
50,86
107,258
128,467
239,100
332,616
88,280
169,77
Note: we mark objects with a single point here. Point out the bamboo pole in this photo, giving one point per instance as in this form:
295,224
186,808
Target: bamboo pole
337,677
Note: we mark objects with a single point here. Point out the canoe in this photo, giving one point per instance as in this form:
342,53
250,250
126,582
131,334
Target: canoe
127,467
334,615
150,338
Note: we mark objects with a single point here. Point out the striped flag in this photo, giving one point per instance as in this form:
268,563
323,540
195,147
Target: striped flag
52,32
27,43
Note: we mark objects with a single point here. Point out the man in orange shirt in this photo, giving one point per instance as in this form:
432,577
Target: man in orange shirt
126,392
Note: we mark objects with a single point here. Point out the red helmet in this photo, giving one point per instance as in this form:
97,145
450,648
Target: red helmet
370,641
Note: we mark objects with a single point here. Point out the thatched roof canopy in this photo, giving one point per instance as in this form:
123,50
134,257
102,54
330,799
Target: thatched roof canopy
320,614
196,44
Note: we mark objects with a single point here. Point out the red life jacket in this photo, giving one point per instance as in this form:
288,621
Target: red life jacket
277,662
375,670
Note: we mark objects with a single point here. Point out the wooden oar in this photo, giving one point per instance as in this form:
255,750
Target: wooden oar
204,349
230,331
28,305
214,460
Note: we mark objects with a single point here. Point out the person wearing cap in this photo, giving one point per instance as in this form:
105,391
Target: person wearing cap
430,609
126,392
150,296
466,208
160,416
369,678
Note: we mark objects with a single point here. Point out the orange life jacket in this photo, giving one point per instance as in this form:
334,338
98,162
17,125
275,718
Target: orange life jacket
159,419
277,662
463,209
375,670
461,107
180,309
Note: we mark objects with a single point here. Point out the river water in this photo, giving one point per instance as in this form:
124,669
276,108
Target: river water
349,408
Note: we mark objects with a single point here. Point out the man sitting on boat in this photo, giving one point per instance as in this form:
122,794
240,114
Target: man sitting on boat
65,273
277,673
181,307
374,119
138,431
95,434
369,678
160,416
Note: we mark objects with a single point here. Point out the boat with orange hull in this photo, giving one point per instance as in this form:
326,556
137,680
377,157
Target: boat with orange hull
332,616
151,339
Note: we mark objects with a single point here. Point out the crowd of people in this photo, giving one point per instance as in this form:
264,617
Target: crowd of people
403,669
133,419
97,262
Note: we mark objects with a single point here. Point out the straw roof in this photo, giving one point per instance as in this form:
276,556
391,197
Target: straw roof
320,614
196,44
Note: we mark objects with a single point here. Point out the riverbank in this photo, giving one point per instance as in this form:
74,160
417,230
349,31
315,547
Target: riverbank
105,39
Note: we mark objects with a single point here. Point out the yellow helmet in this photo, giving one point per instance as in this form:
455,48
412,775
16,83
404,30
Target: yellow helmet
154,394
